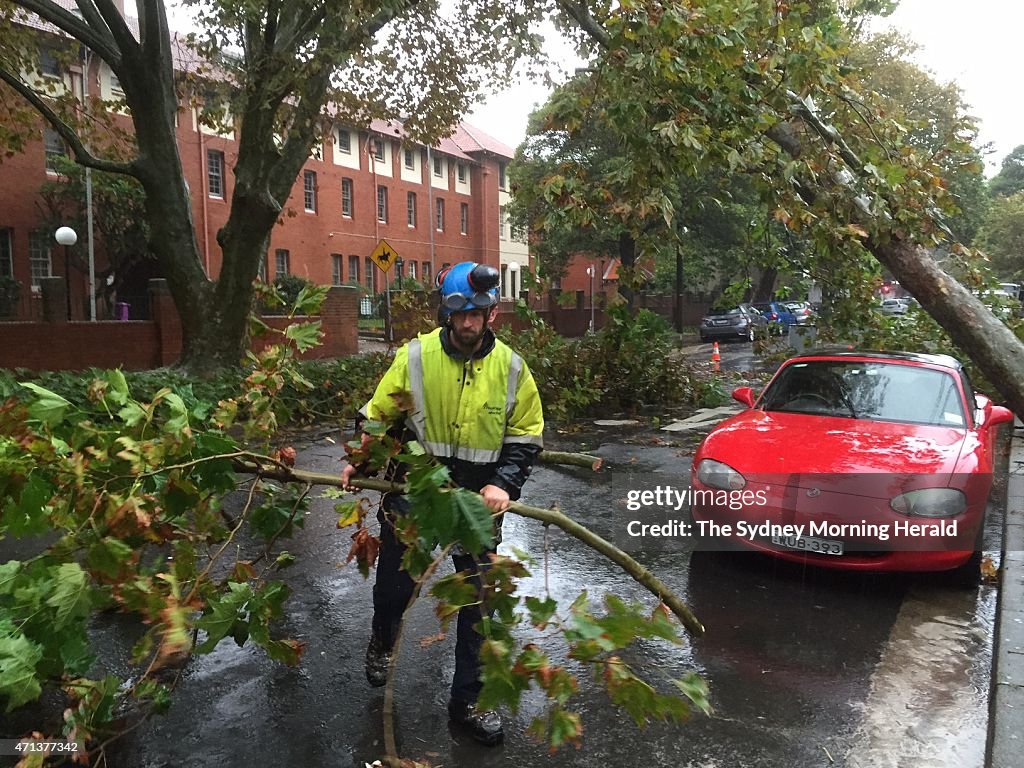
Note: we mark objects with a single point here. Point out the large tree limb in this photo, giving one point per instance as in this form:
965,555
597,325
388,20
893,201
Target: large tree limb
581,15
547,516
104,15
77,27
82,155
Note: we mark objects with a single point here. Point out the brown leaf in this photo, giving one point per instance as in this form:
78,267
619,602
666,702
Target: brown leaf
364,548
287,456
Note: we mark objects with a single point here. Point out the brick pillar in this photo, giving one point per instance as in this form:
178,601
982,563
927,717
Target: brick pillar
168,322
55,300
339,317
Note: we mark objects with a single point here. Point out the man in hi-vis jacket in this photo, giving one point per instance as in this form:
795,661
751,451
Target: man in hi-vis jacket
476,409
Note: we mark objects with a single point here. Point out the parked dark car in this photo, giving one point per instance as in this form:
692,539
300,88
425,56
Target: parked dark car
779,316
740,322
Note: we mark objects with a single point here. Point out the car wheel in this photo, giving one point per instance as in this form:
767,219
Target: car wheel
968,575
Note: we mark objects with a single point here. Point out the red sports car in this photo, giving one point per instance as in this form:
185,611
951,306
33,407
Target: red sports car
858,460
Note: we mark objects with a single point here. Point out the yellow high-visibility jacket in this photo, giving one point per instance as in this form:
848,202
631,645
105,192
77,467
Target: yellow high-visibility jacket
481,416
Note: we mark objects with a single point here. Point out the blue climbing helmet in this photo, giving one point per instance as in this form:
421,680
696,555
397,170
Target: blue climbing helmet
467,285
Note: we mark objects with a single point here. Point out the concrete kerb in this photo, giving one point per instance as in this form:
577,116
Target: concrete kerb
1006,703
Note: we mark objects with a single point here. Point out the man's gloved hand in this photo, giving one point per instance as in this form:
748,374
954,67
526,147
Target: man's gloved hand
495,498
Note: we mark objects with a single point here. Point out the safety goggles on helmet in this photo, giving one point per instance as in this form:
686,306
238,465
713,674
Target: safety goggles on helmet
457,302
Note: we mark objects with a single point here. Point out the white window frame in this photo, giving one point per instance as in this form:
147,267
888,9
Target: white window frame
40,258
211,175
377,146
382,204
410,160
461,172
347,197
353,274
464,218
344,145
502,181
336,267
309,187
282,259
501,222
410,210
439,214
438,167
50,139
49,66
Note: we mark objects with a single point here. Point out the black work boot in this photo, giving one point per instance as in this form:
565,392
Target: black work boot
482,725
378,662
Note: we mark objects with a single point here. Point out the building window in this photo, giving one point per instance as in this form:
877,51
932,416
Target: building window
440,215
281,263
6,254
461,170
410,209
368,273
501,175
215,172
48,64
309,190
346,198
410,160
353,269
437,167
412,269
426,273
55,147
344,141
335,269
464,218
39,263
501,222
378,150
382,204
115,86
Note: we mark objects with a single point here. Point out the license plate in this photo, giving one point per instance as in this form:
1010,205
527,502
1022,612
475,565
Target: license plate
809,544
721,322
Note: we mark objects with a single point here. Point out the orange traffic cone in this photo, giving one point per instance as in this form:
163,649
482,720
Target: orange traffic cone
716,358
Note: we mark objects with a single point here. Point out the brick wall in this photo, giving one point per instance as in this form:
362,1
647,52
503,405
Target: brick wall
56,344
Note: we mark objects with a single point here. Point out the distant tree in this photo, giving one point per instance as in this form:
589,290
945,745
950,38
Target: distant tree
1002,236
1010,179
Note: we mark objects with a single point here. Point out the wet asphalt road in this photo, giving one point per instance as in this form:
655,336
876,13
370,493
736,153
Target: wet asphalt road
806,668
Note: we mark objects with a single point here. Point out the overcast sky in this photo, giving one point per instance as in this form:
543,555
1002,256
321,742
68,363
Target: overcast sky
973,43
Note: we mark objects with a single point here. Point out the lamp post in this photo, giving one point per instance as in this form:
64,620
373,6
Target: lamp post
67,237
590,271
513,270
399,266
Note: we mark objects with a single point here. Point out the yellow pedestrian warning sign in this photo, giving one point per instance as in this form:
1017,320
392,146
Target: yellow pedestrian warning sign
384,255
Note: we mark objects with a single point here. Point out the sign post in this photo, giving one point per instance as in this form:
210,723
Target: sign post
384,256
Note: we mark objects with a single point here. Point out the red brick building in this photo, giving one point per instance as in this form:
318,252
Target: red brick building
433,205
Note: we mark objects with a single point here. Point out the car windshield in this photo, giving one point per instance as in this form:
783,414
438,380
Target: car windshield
876,391
725,311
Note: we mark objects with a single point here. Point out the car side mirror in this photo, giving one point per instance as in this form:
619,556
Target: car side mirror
998,415
744,395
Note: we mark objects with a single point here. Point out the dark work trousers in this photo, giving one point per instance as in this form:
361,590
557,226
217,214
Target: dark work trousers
393,590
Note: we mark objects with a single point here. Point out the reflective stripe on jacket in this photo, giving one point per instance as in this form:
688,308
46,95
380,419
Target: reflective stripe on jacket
466,410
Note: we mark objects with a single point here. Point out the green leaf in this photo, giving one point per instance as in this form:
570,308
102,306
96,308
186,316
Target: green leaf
48,407
108,556
8,574
18,659
178,422
541,611
304,335
475,529
566,728
71,596
221,614
118,392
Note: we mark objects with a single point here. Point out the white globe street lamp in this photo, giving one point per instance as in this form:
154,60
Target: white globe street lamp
67,237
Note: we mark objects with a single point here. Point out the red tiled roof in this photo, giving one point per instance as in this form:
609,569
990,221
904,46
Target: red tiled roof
471,139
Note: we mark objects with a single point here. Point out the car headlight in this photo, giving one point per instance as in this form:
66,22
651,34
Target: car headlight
715,474
930,502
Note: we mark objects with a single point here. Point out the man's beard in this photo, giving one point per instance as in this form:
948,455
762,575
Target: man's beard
467,339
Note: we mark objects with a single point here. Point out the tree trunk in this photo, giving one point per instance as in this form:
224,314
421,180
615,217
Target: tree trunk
990,343
627,262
